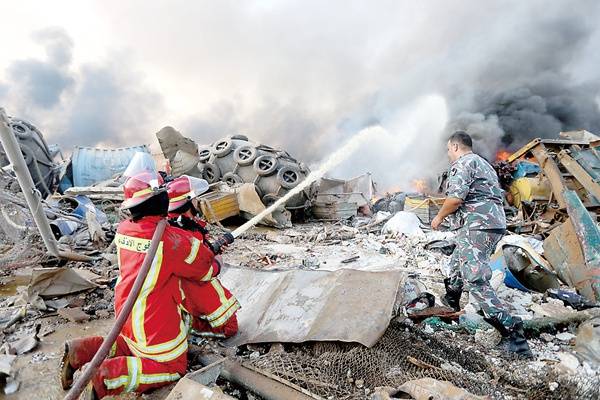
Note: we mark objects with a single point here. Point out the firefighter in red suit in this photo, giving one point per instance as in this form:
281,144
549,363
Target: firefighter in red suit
151,350
212,306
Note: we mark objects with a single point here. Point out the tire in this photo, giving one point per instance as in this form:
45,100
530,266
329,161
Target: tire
240,137
20,131
211,173
265,165
222,147
288,177
232,179
269,199
245,155
204,152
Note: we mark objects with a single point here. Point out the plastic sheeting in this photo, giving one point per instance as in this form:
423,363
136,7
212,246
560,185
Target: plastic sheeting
297,306
404,222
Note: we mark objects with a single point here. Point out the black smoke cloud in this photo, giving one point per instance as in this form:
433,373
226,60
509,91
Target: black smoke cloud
544,109
509,72
532,88
102,104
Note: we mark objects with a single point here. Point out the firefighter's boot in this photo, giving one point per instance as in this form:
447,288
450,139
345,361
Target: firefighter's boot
452,296
76,353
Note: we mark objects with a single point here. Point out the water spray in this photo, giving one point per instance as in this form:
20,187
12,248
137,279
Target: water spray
337,157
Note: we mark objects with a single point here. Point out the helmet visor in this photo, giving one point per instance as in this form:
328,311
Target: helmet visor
142,166
198,186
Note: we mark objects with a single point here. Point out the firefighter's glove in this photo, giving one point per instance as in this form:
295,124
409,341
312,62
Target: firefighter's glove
223,241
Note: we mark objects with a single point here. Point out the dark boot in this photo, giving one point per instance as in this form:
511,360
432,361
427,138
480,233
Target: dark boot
516,341
498,325
452,296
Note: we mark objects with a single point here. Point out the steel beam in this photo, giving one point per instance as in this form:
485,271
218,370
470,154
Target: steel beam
588,182
551,171
588,235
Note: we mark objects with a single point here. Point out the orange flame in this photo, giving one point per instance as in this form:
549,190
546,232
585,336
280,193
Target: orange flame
502,155
420,185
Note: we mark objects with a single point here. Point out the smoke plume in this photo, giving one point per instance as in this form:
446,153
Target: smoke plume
306,76
101,104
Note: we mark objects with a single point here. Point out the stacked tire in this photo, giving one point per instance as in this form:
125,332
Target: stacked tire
236,160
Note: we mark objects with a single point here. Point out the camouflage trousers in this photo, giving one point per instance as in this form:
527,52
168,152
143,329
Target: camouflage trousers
470,268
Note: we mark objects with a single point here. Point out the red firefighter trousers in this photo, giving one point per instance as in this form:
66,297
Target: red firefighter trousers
122,372
212,306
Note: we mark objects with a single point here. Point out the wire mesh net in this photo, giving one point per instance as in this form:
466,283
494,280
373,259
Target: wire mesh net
20,243
347,371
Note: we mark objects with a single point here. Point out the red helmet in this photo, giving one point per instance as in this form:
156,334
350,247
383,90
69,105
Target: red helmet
141,187
184,189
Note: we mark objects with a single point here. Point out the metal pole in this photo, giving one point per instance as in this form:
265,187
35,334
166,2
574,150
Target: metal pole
265,387
32,196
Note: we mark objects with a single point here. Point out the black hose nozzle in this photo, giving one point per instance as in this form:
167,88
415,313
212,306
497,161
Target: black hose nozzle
223,240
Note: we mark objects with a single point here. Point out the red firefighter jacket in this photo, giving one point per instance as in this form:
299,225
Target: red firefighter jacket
197,228
156,329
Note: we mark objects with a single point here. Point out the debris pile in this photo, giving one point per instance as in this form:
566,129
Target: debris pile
344,303
553,189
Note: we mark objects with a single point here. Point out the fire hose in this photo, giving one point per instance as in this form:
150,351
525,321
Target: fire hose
217,247
102,352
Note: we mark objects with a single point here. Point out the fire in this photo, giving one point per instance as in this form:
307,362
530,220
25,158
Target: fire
502,155
393,189
420,186
387,192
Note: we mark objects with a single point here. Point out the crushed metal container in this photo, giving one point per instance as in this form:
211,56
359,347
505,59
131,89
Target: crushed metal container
334,206
425,207
92,165
360,189
573,249
217,206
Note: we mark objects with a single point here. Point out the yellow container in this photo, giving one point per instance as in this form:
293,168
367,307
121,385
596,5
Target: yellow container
530,189
216,206
425,207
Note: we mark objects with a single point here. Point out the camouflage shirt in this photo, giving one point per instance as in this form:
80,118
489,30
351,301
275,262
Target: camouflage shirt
473,180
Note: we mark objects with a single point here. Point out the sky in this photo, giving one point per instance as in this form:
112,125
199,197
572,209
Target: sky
305,75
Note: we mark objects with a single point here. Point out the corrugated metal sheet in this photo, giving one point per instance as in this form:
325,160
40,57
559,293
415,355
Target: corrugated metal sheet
92,165
298,306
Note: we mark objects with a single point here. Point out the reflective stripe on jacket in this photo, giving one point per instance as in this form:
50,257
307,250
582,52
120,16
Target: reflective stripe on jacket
156,329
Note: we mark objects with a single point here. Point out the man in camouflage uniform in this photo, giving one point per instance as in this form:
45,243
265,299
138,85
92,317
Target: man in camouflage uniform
474,201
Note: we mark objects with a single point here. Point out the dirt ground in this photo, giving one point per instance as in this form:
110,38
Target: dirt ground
38,370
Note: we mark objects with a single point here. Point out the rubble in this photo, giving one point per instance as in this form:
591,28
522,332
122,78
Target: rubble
431,389
73,314
587,342
553,184
403,222
187,389
335,309
289,306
